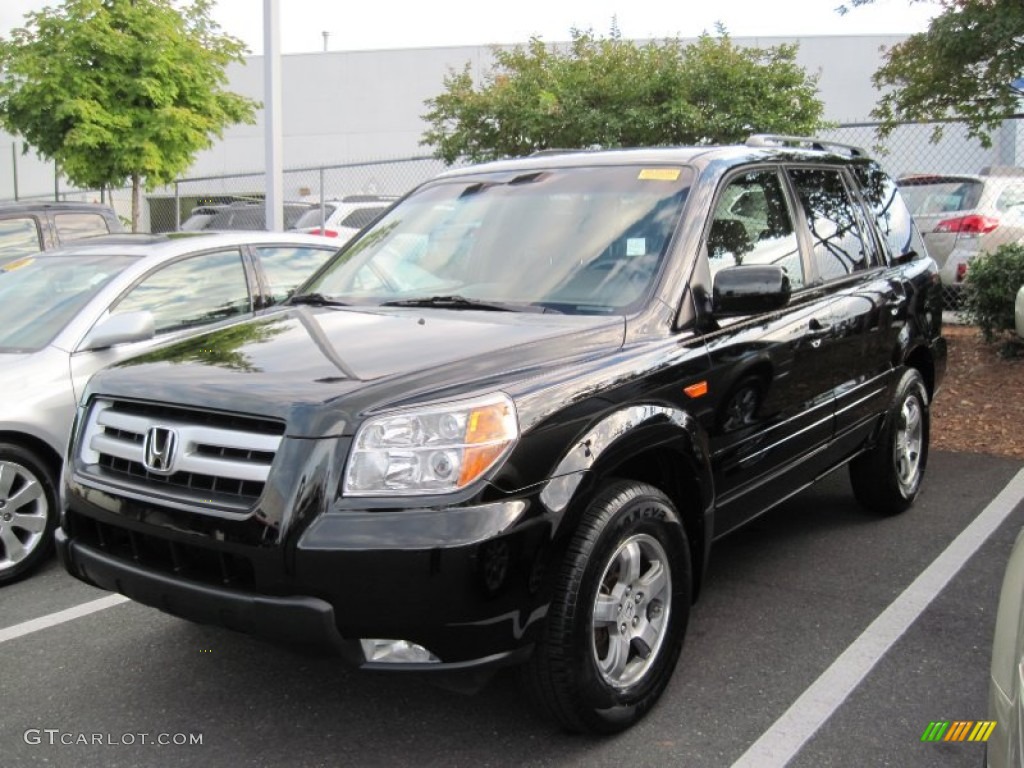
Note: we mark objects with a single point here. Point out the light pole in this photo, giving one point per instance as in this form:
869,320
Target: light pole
274,183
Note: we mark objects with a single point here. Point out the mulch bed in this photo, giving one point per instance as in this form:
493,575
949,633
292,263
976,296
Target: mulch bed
980,406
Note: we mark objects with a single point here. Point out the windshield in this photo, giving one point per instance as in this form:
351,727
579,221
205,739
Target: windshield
39,296
581,240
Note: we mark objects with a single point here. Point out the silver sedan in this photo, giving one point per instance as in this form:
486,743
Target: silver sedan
67,313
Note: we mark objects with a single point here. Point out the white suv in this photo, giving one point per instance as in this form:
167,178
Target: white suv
345,217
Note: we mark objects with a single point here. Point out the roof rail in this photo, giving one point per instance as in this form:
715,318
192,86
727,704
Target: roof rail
804,142
564,150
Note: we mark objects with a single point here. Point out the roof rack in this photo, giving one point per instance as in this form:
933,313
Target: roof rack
804,142
565,150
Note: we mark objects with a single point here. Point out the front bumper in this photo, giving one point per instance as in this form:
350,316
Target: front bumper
461,583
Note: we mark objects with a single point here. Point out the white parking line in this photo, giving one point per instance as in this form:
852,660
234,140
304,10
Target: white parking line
53,619
786,737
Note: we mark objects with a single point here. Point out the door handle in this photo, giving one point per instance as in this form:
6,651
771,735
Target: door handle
817,331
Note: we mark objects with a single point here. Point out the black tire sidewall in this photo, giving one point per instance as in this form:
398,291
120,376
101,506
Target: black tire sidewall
31,462
651,513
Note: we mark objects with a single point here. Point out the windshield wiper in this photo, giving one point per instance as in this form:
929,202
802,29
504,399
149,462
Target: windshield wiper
456,302
316,300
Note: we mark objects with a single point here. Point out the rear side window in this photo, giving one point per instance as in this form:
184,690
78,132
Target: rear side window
72,226
889,209
19,236
1011,198
192,292
288,266
838,245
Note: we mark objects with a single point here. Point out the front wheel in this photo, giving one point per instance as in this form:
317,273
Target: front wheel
887,478
28,511
617,619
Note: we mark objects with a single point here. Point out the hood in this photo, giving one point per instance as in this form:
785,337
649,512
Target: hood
319,369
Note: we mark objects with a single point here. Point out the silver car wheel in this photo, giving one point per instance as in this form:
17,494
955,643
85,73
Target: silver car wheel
23,513
631,610
908,441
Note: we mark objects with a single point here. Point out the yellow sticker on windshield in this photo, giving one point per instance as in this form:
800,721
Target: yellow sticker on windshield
659,174
18,264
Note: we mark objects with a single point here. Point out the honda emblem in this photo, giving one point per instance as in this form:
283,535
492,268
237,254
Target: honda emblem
158,450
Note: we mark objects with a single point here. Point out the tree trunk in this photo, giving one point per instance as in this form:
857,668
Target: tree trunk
136,201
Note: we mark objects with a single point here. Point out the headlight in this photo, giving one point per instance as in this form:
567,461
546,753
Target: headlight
431,450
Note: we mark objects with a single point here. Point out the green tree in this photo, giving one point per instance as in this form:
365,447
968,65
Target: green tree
961,68
120,90
611,92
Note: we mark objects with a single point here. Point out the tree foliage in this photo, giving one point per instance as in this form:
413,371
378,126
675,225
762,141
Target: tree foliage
611,92
961,68
119,90
991,289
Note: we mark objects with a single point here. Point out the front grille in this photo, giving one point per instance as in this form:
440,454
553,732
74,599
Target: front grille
217,461
192,562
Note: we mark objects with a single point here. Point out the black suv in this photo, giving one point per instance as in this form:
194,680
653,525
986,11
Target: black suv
30,227
506,423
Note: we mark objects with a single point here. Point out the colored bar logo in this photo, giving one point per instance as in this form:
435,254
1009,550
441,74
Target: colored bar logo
958,730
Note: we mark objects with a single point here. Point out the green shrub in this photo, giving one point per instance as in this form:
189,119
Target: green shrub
990,290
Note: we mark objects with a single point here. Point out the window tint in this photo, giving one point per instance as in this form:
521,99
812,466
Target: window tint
362,217
287,266
72,226
18,237
752,225
890,210
838,246
194,291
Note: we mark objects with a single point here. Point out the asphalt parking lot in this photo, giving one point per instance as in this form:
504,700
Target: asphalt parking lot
785,602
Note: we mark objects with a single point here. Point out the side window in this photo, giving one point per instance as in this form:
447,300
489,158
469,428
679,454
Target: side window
19,236
839,248
892,216
191,292
288,266
752,224
72,226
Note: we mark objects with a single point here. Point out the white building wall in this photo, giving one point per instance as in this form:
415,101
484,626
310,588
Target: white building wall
366,105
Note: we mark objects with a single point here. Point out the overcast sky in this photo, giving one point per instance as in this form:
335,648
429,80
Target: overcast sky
402,24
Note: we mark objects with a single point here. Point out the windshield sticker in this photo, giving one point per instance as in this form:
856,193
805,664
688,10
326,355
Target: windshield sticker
636,246
10,267
659,174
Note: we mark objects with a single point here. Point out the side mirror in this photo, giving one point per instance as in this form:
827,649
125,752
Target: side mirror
748,290
120,329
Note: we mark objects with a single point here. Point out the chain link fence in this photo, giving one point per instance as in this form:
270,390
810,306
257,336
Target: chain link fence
959,216
303,189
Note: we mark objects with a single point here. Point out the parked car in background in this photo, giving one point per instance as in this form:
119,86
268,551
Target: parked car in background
199,218
252,216
31,227
345,217
69,312
965,216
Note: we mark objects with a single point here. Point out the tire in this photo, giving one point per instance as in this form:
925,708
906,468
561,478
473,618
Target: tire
622,591
28,511
886,479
